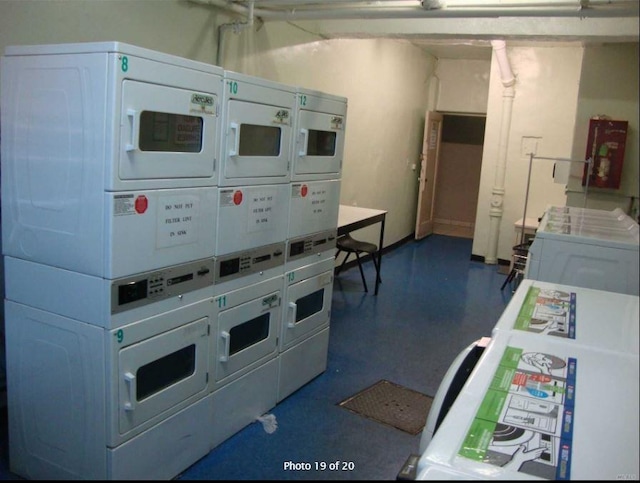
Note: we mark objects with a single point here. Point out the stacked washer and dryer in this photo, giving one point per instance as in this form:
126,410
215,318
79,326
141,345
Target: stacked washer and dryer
146,235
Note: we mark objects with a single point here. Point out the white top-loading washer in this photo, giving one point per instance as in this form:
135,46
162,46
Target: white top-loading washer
580,316
586,254
540,408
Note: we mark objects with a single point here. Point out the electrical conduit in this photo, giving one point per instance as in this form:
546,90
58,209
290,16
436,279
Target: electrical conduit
497,192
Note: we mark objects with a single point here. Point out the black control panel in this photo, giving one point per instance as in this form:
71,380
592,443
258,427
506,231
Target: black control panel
251,261
145,288
311,244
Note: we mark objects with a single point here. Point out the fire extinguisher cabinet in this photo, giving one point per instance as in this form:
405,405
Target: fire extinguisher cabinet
605,146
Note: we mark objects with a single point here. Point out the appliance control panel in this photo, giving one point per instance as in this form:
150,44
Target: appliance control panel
240,264
311,244
146,288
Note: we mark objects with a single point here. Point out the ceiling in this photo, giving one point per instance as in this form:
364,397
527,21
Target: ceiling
450,29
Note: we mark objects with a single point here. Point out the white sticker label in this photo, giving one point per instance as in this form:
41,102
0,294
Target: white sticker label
318,198
177,220
123,205
261,210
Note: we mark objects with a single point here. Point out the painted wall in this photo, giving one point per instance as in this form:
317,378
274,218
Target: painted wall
608,85
386,84
544,106
176,27
463,85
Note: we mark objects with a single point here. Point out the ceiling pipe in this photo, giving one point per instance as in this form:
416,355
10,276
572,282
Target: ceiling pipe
237,27
349,10
497,191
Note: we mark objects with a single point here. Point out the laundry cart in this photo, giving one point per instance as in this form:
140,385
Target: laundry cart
109,198
587,249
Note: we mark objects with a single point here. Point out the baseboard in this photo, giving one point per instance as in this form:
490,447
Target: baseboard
393,246
480,258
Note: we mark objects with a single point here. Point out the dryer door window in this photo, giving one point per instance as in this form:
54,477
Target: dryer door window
247,336
172,133
166,132
308,308
319,144
257,144
159,373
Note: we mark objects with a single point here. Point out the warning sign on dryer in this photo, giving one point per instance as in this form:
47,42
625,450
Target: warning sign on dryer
177,220
316,197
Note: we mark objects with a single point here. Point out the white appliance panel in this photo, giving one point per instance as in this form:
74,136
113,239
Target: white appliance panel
165,450
248,325
307,301
257,133
157,228
319,138
302,362
546,419
243,401
593,253
158,373
251,216
56,395
314,207
162,128
61,122
574,315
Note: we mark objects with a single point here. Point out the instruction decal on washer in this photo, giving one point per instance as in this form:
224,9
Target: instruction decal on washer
525,420
177,220
549,312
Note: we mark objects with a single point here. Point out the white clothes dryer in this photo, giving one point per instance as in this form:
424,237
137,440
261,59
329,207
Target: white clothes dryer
104,143
89,401
256,137
304,339
318,143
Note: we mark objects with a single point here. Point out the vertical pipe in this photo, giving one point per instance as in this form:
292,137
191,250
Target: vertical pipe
497,191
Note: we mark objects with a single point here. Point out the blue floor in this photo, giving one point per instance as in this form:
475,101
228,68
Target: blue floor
432,303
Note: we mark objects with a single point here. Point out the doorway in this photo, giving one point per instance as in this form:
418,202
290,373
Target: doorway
458,176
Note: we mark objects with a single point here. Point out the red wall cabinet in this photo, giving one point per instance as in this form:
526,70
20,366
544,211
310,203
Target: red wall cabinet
605,146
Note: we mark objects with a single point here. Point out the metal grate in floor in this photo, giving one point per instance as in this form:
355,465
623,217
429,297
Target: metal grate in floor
391,404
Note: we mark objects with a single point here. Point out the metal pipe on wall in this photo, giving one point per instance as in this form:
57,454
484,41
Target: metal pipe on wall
344,9
497,191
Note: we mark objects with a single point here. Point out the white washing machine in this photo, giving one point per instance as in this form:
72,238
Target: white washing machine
104,143
108,403
577,315
318,144
306,313
540,407
244,366
590,253
257,131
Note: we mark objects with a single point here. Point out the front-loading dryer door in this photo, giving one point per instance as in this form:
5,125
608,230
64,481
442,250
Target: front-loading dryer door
319,145
307,307
247,336
257,145
167,132
159,373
